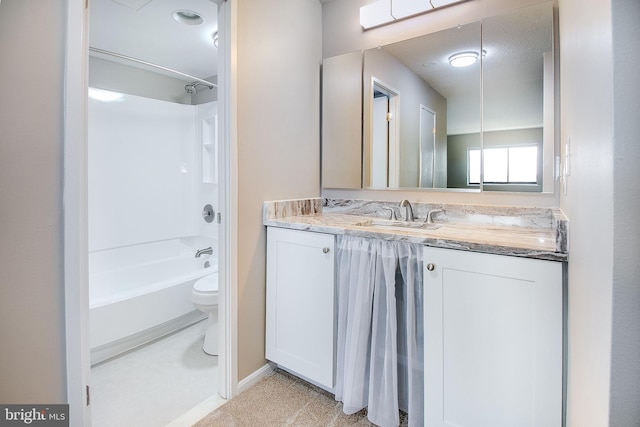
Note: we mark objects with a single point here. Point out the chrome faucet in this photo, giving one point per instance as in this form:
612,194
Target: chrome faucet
408,214
205,251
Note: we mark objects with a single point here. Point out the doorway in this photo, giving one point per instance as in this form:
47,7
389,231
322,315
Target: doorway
384,136
77,200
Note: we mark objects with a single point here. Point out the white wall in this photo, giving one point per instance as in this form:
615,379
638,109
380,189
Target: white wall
142,171
277,74
600,118
32,333
587,120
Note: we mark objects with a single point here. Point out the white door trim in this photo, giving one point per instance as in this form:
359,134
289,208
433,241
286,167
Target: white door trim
75,196
75,214
228,201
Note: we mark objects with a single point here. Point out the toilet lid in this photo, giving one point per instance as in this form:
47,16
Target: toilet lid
207,283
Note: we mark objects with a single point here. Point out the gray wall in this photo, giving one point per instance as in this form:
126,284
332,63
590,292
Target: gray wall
114,76
32,332
457,146
413,91
109,75
625,349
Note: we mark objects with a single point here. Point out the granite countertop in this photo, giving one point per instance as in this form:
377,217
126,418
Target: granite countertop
526,232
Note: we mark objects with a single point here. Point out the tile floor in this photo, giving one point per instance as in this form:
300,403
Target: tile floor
155,384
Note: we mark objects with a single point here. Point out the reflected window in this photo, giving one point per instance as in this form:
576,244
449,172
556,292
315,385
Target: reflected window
504,165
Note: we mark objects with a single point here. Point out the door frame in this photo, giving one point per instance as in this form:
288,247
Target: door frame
433,143
393,125
75,217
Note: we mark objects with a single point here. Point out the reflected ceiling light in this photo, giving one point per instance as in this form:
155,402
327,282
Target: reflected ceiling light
104,95
188,17
463,59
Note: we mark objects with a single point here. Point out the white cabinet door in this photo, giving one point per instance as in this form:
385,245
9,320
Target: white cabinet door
300,303
493,340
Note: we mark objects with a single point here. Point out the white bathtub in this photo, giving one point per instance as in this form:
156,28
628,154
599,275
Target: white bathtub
133,305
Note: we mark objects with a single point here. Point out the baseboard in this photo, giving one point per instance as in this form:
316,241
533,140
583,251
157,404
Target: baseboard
107,351
255,377
198,412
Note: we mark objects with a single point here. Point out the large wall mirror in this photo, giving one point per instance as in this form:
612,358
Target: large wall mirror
468,108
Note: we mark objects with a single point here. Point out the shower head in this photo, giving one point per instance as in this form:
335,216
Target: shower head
192,88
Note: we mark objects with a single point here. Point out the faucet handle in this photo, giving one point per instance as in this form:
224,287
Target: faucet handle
429,218
392,213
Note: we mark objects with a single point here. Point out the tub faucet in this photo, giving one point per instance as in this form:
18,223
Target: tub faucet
205,251
408,214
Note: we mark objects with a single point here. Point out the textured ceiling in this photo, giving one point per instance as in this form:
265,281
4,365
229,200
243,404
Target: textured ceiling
146,30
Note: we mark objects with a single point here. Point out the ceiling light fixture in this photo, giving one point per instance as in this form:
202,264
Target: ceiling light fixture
187,17
463,59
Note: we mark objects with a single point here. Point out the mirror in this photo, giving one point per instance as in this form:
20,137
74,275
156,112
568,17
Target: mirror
518,100
415,101
425,122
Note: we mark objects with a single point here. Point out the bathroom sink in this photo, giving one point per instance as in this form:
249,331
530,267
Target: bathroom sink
395,225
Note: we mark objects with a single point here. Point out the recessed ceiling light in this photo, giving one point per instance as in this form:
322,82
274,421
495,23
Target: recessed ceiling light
463,59
188,17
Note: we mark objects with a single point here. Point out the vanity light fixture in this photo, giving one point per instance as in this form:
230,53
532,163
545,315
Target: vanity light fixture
463,59
382,12
187,17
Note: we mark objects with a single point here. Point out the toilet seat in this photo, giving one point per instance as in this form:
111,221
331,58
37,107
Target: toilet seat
205,290
207,283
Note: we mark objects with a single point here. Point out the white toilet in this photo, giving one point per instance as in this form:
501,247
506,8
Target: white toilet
205,298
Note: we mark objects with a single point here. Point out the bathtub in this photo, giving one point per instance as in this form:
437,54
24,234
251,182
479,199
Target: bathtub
133,305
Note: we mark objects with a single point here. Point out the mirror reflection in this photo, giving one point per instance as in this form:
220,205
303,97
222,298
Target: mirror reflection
518,100
418,100
470,107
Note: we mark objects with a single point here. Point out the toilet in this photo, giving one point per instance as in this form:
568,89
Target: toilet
205,297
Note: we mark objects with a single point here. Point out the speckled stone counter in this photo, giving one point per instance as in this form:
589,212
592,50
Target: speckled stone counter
526,232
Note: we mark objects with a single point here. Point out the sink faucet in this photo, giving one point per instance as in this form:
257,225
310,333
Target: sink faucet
408,215
205,251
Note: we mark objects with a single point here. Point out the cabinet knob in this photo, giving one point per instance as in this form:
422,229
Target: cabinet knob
325,250
431,266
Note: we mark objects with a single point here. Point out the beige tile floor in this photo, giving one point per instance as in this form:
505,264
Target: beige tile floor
155,384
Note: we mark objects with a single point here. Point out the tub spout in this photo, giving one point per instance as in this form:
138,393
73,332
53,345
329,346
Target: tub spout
205,251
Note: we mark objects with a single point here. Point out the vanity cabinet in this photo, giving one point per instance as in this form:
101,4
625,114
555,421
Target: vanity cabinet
300,311
493,340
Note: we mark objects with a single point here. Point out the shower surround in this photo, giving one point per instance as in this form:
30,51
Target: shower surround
150,172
